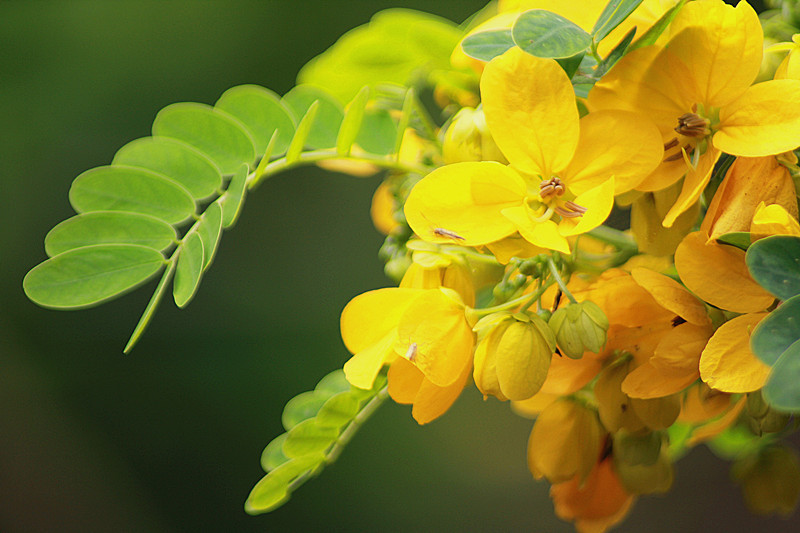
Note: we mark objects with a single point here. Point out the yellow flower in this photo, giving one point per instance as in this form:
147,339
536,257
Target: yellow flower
790,66
427,327
701,83
563,172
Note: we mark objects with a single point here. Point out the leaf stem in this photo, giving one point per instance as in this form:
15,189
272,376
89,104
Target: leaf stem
355,425
557,278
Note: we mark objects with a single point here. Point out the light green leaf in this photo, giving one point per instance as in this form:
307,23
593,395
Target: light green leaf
655,31
775,333
545,34
351,124
782,390
234,197
338,410
487,45
308,437
301,134
333,383
329,115
273,490
378,132
272,457
262,112
302,407
210,231
189,270
152,305
87,276
109,227
119,188
616,54
175,160
774,262
217,134
612,16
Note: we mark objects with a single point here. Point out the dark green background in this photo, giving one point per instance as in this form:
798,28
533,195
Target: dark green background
169,437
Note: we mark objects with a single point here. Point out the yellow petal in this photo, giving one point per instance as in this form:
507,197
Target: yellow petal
765,120
542,234
701,403
433,401
594,504
672,295
461,203
649,210
531,111
718,425
693,184
722,47
598,202
382,209
368,317
362,369
718,274
513,246
442,338
748,182
404,380
773,220
727,364
605,149
625,302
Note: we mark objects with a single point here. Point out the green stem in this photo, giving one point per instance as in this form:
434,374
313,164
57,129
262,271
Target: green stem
557,278
355,425
527,299
614,237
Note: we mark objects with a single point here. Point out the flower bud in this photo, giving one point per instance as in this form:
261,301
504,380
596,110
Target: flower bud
761,417
579,327
770,480
655,478
512,359
468,139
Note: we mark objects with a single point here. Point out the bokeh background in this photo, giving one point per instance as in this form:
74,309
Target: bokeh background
168,438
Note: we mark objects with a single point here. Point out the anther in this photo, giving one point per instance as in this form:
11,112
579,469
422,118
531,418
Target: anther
672,144
551,187
693,125
570,210
679,155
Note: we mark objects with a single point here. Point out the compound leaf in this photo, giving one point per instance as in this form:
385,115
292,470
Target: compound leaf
487,45
262,112
189,270
327,120
774,262
545,34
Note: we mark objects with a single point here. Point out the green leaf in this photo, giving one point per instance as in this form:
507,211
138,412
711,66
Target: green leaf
152,305
273,490
545,34
109,227
175,160
119,188
774,262
262,112
301,134
775,333
739,239
87,276
217,134
189,270
338,410
234,196
615,12
734,442
487,45
782,390
272,457
210,231
570,65
333,383
309,437
378,132
351,124
655,31
329,115
615,54
302,407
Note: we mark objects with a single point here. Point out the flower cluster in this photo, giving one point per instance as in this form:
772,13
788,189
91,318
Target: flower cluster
628,347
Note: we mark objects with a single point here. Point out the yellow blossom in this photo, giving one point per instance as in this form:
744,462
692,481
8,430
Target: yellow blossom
563,170
701,83
727,363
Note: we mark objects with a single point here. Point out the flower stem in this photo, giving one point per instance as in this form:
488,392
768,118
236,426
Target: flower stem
557,278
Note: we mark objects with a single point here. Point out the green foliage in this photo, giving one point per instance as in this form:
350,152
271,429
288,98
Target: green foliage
739,239
399,46
655,31
612,16
774,262
773,335
782,390
318,424
487,45
197,168
545,34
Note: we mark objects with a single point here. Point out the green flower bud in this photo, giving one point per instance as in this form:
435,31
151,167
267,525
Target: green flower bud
655,478
468,139
770,480
761,417
579,327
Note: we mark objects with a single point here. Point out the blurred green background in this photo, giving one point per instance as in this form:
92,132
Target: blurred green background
168,438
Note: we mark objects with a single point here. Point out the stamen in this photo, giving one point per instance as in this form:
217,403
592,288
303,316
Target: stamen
570,210
672,144
551,187
675,157
441,232
575,207
411,354
693,125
